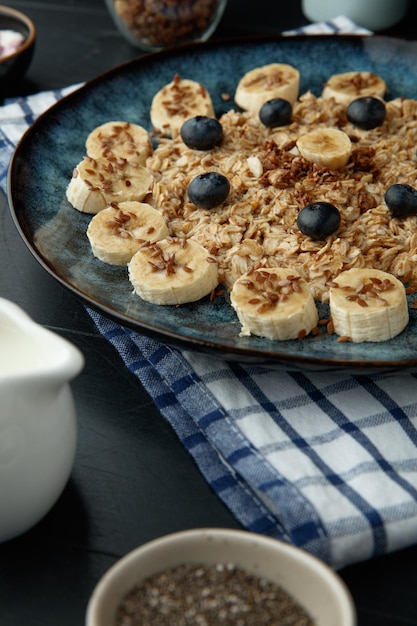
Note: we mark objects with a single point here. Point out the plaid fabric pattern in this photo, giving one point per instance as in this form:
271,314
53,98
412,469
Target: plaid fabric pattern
324,461
16,115
327,462
340,25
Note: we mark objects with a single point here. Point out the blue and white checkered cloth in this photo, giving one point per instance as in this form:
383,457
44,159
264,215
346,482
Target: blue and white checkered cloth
325,461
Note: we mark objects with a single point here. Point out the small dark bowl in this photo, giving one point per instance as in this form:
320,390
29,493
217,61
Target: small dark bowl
13,66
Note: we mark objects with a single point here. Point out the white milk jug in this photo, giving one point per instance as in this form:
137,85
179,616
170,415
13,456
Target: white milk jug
38,427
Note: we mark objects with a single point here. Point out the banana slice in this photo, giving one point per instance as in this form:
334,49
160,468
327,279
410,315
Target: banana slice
276,80
119,139
97,183
117,232
328,147
368,305
275,303
173,271
348,86
177,102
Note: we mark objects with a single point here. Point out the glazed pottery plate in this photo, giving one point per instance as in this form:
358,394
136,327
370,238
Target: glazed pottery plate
45,158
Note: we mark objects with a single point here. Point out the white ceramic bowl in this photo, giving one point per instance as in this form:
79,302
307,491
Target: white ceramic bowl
373,14
308,580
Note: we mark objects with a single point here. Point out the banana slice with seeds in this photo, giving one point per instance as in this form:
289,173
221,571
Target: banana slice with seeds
275,303
173,271
178,101
97,183
119,139
348,86
368,305
328,147
117,232
275,80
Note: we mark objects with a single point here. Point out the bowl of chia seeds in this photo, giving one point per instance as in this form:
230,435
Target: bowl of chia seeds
17,44
214,576
157,24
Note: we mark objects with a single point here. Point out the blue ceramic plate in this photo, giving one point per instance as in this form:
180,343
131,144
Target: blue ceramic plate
55,232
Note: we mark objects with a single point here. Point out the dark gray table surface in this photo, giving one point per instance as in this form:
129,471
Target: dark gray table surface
132,480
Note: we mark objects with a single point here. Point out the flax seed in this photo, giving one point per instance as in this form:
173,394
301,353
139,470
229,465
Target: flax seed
343,339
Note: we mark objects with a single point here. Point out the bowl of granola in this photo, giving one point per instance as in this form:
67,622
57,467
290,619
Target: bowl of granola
156,24
17,44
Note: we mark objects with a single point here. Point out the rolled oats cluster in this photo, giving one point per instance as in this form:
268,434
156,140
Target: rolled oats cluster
271,182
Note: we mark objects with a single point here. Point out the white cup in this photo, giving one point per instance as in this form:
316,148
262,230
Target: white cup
373,14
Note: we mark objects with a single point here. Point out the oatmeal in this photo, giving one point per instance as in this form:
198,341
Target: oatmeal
271,182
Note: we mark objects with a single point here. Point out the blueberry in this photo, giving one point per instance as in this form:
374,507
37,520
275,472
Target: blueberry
275,112
208,190
318,220
401,200
201,132
366,112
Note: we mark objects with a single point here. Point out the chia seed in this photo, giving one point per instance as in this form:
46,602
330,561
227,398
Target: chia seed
216,595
